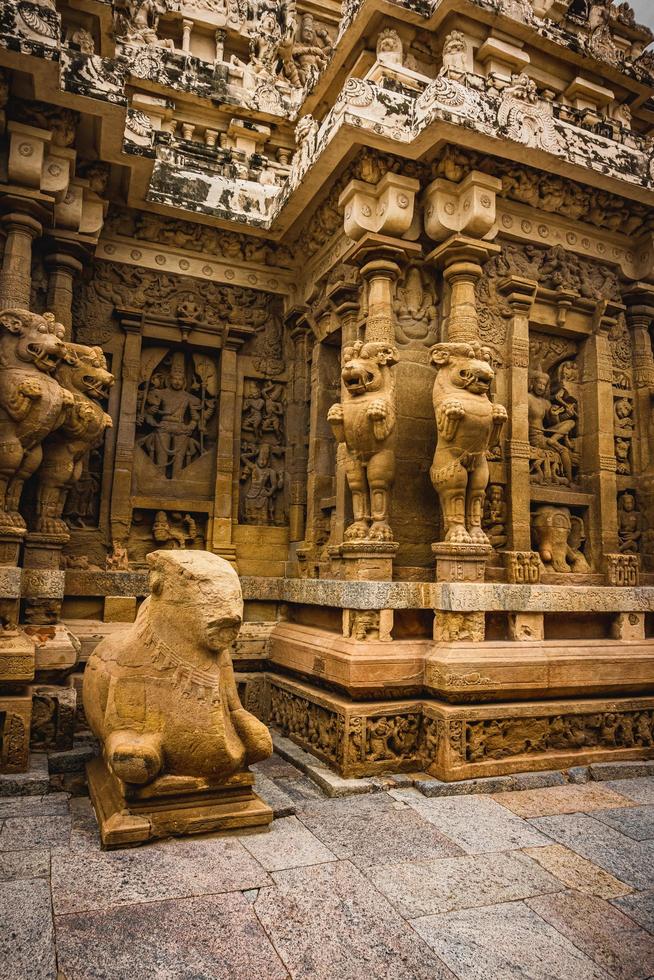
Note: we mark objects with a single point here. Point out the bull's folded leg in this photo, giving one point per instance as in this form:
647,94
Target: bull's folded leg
133,757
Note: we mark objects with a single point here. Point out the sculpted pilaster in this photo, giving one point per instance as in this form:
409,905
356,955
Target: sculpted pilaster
21,227
64,265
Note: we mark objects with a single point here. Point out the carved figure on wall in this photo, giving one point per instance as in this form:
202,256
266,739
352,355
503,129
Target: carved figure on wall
495,516
525,117
32,402
83,372
174,531
312,50
415,308
118,559
629,525
559,539
468,422
552,424
137,21
455,61
263,484
623,427
82,503
389,47
364,420
176,404
163,710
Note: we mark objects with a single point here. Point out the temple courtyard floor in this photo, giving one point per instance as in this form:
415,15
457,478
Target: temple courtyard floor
555,882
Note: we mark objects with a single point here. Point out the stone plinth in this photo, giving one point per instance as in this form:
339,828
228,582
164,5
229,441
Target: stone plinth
172,806
17,658
460,562
15,720
368,561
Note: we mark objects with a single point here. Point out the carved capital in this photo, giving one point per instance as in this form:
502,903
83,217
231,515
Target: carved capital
467,208
385,208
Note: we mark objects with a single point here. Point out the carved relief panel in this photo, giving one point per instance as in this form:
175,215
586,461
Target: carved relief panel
176,422
164,530
554,411
263,452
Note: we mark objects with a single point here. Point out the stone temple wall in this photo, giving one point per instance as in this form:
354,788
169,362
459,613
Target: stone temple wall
361,299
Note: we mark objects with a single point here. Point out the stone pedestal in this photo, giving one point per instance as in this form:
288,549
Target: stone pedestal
368,561
460,562
172,806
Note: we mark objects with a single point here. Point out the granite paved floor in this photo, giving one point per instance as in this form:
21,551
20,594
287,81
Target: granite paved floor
546,883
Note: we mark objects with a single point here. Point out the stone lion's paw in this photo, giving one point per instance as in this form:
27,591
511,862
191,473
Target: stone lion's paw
335,413
500,414
453,410
377,410
30,388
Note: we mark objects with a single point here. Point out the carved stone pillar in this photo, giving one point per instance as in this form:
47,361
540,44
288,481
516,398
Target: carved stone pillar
21,228
598,450
520,295
461,260
221,525
121,505
298,402
63,268
640,316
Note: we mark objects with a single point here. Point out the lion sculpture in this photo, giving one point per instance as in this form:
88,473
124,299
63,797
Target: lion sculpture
468,423
32,402
365,421
161,695
83,372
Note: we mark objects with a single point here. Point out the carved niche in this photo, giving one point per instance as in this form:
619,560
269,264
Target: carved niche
553,407
176,421
559,537
263,452
415,306
164,530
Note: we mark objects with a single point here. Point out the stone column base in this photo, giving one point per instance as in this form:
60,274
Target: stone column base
460,562
173,806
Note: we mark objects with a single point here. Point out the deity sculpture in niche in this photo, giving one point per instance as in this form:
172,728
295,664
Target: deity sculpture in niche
389,47
83,372
629,525
177,401
32,402
495,516
174,532
365,422
137,21
468,422
559,539
262,451
416,317
81,509
553,410
312,49
623,428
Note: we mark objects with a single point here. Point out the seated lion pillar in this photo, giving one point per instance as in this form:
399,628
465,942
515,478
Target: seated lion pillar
162,699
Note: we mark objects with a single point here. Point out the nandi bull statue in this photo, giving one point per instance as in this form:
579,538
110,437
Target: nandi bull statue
468,423
365,421
162,699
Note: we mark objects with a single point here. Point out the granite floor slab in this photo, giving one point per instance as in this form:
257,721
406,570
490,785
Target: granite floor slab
572,798
34,863
630,861
502,942
635,822
328,922
639,907
640,790
574,871
478,824
88,880
287,845
608,937
424,888
27,948
33,806
47,830
370,830
215,936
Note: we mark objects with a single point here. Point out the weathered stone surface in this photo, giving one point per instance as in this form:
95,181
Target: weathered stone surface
88,879
329,922
44,830
33,782
608,937
419,888
281,804
638,907
478,825
288,844
630,861
639,790
636,822
503,941
370,830
26,932
34,806
622,770
576,872
24,864
560,799
215,936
